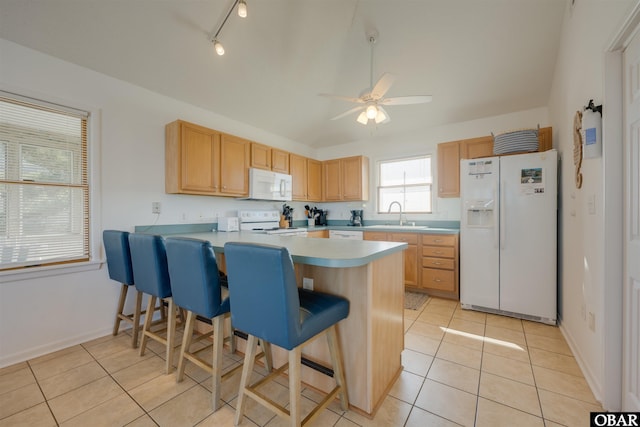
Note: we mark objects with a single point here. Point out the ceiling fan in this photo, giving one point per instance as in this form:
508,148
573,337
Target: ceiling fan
372,99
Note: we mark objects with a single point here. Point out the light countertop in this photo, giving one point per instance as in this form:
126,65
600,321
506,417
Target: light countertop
320,252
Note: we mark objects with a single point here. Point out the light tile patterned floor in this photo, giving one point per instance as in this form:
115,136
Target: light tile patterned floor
460,368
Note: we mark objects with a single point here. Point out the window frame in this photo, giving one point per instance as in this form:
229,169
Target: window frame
92,150
381,187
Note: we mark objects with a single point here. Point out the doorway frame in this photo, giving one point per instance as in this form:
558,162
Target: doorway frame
613,173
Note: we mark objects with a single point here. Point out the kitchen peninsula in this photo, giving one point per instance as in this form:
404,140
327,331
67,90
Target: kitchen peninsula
370,275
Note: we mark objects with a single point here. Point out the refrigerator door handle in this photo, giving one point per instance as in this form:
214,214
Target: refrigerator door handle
496,234
503,216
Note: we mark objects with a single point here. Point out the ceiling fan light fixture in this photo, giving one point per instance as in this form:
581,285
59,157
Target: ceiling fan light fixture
371,111
242,9
381,117
362,118
218,47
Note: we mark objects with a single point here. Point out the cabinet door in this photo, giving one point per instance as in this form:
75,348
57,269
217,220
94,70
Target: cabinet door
279,161
298,170
195,152
260,156
332,178
449,169
355,178
234,165
314,180
477,147
410,256
545,139
322,234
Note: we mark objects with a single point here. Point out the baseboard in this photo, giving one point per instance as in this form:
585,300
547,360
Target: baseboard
33,352
591,379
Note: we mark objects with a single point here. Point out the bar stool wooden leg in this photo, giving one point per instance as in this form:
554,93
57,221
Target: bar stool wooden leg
171,336
218,342
147,324
186,344
295,415
247,369
336,361
268,357
136,318
119,313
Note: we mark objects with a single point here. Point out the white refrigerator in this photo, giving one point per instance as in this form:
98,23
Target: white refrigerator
508,235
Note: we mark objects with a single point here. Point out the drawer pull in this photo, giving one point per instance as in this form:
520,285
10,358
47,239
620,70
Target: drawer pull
437,240
438,252
437,263
437,280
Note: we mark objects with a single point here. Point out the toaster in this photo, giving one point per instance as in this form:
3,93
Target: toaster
229,223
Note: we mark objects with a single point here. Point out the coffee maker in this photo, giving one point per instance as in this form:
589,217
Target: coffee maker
356,218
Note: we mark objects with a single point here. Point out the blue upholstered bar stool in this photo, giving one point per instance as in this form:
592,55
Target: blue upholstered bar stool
151,276
266,303
196,287
116,247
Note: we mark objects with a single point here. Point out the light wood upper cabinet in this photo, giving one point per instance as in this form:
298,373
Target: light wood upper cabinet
314,180
298,171
192,159
234,165
355,178
346,179
279,161
260,156
332,180
476,147
449,169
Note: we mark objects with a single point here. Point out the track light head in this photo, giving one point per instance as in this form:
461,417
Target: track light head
242,8
218,47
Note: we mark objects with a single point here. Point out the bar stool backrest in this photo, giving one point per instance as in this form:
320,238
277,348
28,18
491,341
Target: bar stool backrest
263,292
116,247
195,279
149,261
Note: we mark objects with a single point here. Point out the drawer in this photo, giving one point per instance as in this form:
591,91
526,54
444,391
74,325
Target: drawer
442,280
375,235
409,238
439,239
441,263
438,251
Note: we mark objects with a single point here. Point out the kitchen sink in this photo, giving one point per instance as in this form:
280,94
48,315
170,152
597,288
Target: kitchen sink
397,226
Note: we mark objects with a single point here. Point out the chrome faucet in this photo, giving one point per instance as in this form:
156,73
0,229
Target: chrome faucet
399,206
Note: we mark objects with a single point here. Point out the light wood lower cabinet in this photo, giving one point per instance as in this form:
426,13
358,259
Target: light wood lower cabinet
440,265
430,261
411,272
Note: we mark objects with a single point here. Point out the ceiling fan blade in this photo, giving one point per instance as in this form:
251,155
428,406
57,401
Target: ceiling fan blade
406,100
382,86
343,98
346,113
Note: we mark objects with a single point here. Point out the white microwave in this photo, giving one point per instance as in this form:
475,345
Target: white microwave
268,185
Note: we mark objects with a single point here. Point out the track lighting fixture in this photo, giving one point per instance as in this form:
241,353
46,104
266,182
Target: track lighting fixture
213,37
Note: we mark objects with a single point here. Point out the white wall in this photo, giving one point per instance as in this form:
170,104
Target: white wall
588,29
38,315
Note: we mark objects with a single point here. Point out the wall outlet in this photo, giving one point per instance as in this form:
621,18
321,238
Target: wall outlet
307,283
155,207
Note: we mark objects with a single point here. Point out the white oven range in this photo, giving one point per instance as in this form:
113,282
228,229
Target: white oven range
267,222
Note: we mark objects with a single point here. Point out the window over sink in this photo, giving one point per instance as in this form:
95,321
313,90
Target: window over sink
407,181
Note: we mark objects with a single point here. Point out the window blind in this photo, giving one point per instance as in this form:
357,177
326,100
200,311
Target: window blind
44,191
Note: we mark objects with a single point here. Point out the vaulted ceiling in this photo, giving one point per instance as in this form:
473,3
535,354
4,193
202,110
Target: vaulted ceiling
478,58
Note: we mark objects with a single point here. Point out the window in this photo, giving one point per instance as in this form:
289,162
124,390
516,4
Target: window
406,181
44,191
